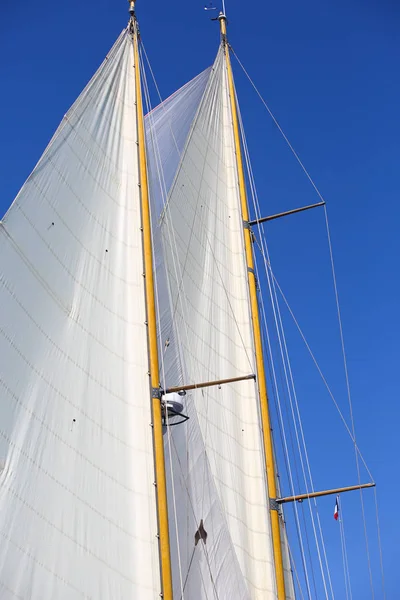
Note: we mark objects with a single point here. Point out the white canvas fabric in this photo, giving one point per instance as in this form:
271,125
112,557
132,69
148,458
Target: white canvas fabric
217,456
77,500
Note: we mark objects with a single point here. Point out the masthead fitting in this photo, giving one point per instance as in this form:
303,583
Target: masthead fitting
222,24
131,7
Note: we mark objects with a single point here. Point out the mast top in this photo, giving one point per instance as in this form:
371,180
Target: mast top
132,7
222,24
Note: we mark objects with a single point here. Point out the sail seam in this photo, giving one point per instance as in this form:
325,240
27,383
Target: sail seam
66,309
2,584
41,564
65,443
85,208
71,317
66,535
62,220
59,393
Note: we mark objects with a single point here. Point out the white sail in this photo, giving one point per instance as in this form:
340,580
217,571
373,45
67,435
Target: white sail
77,501
217,457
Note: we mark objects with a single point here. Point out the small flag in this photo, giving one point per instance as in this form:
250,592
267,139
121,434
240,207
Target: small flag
210,7
336,511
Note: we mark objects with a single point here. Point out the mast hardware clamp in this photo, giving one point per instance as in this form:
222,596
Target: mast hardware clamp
274,505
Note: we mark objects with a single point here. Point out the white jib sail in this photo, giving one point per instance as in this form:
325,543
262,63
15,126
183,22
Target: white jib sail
217,457
77,500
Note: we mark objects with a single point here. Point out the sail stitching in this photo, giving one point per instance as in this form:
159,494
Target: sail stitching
70,316
71,538
59,393
41,564
86,209
166,211
204,548
65,443
33,270
10,591
47,286
45,196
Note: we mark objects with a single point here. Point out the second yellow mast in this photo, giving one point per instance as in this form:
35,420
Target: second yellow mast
266,424
161,487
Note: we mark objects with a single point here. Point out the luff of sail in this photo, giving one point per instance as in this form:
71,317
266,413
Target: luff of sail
217,458
77,503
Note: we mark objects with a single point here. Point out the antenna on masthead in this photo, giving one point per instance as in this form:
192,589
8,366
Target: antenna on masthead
132,7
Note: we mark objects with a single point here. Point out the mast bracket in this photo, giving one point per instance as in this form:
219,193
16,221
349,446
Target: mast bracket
157,392
274,504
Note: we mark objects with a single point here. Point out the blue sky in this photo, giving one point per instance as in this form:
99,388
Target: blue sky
329,71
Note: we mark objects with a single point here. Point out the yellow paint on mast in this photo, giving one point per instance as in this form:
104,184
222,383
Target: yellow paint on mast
262,388
158,442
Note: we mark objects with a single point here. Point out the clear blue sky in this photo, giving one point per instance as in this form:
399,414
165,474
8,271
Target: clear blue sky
329,71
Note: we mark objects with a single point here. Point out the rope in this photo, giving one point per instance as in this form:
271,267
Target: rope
319,371
277,395
170,438
349,398
379,544
352,433
163,377
346,571
279,127
183,300
288,374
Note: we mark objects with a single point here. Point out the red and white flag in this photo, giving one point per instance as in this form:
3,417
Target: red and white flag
336,511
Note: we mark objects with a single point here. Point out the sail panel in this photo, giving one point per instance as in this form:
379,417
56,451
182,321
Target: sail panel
167,129
77,501
221,465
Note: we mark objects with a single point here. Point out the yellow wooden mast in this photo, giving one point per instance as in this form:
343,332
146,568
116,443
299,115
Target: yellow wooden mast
265,417
161,487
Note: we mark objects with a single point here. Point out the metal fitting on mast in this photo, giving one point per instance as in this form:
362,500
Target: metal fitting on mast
132,7
222,24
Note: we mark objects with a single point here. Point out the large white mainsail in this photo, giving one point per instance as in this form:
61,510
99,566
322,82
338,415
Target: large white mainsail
77,501
217,457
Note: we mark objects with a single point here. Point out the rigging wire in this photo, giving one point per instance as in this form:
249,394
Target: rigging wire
292,562
272,363
357,452
160,174
281,432
288,374
281,336
346,585
162,182
379,544
163,377
181,293
346,570
165,197
352,433
319,369
339,316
